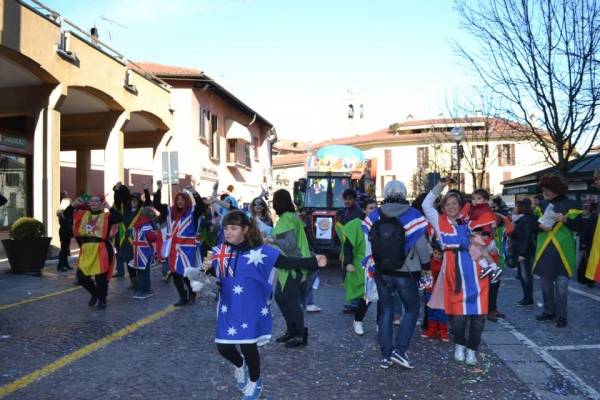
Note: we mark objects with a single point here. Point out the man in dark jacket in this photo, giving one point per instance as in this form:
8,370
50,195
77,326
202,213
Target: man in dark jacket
523,242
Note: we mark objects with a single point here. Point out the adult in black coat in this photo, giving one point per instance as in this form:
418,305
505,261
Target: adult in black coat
523,243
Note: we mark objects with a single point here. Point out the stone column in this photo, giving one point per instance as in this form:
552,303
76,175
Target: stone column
113,156
83,168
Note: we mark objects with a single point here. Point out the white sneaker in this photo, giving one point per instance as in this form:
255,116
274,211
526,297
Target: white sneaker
459,353
312,308
358,327
471,357
241,376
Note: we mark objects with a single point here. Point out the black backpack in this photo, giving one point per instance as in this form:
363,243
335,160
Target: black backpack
387,238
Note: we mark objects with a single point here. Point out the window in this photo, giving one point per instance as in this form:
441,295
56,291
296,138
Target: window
506,155
247,157
479,153
13,179
255,145
455,178
482,181
214,138
388,159
204,123
14,170
231,150
453,162
422,158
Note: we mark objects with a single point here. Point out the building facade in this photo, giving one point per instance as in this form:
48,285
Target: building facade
492,151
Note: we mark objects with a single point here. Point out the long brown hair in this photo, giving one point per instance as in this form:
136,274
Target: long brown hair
239,218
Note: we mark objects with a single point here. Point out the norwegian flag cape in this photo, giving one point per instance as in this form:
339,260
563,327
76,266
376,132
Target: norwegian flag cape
244,308
414,224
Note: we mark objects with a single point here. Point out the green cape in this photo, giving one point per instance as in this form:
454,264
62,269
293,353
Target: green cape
287,222
354,282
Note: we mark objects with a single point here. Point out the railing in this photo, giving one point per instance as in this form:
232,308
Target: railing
62,22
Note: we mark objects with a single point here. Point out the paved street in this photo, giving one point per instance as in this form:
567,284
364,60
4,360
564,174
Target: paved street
58,347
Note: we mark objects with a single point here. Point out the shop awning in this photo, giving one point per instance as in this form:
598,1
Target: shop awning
239,132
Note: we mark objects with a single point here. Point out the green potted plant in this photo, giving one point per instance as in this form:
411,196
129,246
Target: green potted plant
27,247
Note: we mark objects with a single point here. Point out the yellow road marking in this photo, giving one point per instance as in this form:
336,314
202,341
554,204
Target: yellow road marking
84,351
20,303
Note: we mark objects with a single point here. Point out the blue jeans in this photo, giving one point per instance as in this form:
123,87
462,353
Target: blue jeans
407,290
307,290
143,280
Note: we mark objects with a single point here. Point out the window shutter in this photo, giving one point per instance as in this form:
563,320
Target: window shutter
512,154
499,148
388,159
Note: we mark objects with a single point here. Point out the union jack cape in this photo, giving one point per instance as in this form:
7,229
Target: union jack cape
180,247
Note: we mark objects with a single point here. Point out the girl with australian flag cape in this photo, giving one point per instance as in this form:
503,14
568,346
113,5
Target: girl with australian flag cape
245,269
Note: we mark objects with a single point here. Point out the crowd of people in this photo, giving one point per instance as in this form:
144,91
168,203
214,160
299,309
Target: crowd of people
451,248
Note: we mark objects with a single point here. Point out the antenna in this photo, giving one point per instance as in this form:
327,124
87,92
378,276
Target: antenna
112,22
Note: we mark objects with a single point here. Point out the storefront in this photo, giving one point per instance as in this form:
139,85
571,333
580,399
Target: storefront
16,152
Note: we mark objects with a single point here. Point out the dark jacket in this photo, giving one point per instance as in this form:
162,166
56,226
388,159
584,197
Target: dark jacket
523,238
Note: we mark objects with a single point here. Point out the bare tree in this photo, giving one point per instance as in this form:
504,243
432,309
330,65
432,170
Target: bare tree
541,57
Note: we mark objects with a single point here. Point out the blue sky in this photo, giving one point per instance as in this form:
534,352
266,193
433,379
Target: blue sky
294,61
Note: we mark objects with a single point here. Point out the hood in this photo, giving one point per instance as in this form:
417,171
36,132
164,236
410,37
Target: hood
394,209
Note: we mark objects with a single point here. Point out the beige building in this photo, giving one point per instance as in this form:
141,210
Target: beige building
493,151
216,136
62,90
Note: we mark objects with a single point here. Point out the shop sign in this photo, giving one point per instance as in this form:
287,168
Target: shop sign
6,139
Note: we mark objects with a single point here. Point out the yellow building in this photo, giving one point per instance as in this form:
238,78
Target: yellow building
62,90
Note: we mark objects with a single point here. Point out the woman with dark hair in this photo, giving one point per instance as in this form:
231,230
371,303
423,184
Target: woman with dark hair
244,268
259,211
522,242
555,252
459,289
180,247
288,234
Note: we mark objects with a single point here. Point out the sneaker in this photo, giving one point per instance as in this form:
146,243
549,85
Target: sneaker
496,276
358,328
500,314
253,390
401,360
545,317
493,316
138,295
397,320
459,353
471,358
561,322
385,363
524,303
241,376
145,295
312,308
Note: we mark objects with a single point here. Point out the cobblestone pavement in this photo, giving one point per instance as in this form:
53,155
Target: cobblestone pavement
174,356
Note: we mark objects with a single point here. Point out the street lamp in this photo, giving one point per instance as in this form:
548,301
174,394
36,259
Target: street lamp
457,133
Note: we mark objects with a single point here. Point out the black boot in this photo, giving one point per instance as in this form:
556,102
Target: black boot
93,300
101,304
298,340
285,337
192,296
181,302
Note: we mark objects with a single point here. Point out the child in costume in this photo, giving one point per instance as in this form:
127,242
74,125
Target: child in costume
437,320
482,223
245,270
144,236
94,228
354,253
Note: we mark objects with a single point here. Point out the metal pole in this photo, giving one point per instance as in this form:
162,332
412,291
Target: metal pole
458,163
169,178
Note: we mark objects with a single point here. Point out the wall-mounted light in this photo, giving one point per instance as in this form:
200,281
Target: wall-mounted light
350,111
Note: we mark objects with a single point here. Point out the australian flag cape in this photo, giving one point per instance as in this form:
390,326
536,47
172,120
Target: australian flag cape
244,308
415,226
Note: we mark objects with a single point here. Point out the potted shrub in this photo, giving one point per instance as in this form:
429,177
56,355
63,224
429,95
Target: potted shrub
27,247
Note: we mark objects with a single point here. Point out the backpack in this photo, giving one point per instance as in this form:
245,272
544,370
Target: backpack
387,238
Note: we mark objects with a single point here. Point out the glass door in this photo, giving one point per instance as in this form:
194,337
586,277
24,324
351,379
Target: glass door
13,186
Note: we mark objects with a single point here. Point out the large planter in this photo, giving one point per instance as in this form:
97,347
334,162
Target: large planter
27,255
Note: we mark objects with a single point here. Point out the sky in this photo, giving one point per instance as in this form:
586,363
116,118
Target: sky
295,61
